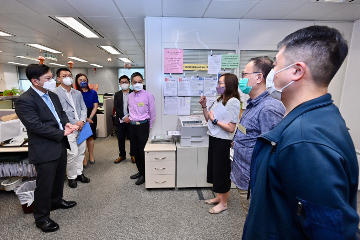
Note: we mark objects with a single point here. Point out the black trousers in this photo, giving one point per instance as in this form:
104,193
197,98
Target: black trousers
219,164
140,136
122,130
49,186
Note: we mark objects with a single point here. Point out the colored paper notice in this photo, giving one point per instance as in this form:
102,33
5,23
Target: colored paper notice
170,86
195,67
210,86
230,61
184,86
197,86
214,64
173,60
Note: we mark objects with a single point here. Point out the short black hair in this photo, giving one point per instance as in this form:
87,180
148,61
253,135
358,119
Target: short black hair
321,48
262,64
136,74
124,76
35,71
61,69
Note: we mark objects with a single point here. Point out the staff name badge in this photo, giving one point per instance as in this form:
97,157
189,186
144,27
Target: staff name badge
141,104
242,128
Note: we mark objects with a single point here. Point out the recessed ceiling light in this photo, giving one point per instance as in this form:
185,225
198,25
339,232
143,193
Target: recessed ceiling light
110,49
18,63
28,58
43,48
77,26
58,64
78,59
96,65
125,60
5,34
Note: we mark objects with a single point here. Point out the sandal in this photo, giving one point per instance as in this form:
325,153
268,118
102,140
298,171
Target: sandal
92,162
212,210
210,202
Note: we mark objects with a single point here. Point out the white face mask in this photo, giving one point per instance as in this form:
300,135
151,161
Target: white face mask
270,87
49,85
68,81
138,87
124,86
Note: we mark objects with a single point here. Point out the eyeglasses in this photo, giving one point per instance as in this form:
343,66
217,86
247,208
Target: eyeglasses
244,73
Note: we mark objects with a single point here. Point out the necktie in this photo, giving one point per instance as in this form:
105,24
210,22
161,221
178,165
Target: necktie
52,109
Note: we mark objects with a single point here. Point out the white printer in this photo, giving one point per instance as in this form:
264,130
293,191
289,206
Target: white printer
193,131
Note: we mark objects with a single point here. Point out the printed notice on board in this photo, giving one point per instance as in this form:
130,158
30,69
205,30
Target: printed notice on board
173,60
210,86
214,64
183,106
197,86
170,105
230,61
170,86
184,86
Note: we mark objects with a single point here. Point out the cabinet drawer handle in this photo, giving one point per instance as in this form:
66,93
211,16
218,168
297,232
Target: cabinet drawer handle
160,158
160,182
162,168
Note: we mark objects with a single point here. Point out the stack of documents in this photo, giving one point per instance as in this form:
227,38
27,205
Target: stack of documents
161,139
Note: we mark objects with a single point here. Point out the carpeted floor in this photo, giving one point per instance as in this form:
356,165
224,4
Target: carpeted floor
111,206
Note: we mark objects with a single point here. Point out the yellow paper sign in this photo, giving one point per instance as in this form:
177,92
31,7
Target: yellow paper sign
195,67
141,104
242,128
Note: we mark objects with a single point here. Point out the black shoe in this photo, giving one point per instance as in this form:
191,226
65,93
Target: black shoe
82,178
140,181
72,183
48,225
135,176
64,204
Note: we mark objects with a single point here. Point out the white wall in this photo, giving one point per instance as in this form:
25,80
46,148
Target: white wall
2,78
350,100
226,34
11,76
107,78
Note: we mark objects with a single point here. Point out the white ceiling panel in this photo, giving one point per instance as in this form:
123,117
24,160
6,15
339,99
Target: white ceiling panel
269,10
351,12
185,8
136,24
50,7
139,34
126,43
112,35
140,8
108,23
229,9
12,6
313,11
104,8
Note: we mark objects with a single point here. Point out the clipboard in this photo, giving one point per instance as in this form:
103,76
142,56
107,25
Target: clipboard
85,133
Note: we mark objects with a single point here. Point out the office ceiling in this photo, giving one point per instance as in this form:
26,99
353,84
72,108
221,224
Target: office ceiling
120,23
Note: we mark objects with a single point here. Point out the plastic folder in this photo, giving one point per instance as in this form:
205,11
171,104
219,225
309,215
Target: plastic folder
85,133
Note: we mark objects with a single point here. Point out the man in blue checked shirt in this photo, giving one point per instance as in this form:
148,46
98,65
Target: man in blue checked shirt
261,114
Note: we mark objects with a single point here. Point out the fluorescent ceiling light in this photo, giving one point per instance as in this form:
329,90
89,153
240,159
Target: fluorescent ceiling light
57,64
4,34
125,60
77,26
110,49
43,48
78,59
96,65
334,0
18,63
29,58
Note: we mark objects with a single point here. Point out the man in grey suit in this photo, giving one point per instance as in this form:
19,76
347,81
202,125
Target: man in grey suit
47,127
74,106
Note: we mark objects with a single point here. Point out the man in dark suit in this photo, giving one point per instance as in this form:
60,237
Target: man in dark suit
47,126
122,120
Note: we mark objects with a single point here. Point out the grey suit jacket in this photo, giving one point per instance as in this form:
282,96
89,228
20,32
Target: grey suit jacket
66,105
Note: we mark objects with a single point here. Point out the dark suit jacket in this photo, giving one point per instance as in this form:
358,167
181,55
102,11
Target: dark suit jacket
45,138
119,106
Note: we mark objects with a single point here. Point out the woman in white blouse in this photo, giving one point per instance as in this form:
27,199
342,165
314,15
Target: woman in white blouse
219,166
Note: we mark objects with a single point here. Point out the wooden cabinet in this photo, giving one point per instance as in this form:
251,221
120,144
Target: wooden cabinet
160,165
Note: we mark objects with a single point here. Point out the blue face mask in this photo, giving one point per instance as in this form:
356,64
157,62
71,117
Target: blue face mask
243,85
83,84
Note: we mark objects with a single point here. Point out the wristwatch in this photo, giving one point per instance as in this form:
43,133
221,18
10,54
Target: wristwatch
91,118
215,121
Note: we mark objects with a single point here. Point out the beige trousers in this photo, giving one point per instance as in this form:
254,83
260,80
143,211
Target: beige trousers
244,201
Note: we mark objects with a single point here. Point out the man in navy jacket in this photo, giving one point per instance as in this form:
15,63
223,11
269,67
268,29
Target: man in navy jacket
304,172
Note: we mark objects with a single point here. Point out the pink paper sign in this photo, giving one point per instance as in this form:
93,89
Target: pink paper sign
173,60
